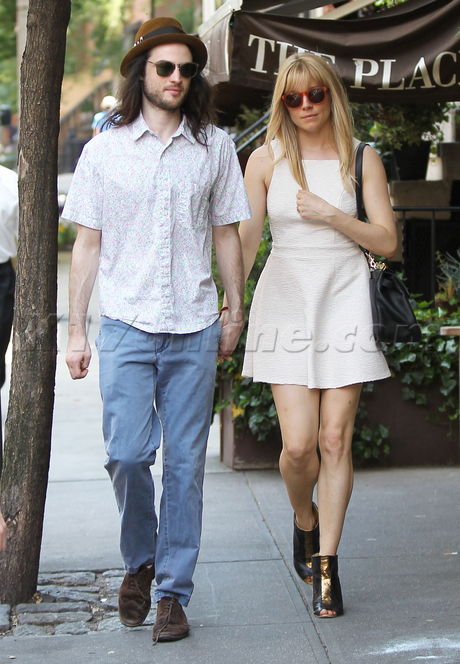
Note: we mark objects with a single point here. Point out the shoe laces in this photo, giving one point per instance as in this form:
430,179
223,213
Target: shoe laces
169,601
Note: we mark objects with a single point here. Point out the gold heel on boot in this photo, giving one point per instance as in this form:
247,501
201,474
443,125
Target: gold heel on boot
327,594
305,544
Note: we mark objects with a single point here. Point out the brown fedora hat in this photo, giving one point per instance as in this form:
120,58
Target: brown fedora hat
163,30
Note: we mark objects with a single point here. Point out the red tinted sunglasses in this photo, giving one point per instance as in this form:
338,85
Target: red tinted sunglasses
314,95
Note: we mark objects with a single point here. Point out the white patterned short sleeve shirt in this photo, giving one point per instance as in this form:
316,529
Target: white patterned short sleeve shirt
155,204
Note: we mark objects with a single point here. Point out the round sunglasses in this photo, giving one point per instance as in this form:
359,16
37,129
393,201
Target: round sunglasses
315,95
166,68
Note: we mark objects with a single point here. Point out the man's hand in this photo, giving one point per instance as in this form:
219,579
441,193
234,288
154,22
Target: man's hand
229,336
78,355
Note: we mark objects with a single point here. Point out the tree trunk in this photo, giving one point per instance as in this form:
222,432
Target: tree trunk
28,429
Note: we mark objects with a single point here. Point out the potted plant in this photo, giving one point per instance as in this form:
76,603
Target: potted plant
403,134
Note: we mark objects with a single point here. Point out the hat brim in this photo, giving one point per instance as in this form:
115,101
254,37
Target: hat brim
198,49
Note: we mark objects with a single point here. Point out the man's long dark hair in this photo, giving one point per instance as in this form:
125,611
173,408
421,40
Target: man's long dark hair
198,106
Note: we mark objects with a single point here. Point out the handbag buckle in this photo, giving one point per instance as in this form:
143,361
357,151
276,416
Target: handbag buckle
374,264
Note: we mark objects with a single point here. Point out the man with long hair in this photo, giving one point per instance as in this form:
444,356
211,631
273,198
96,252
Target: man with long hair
149,196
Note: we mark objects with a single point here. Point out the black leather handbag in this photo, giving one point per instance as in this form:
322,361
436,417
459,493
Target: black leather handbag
392,315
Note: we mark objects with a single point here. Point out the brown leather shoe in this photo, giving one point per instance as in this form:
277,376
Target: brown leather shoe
171,623
134,596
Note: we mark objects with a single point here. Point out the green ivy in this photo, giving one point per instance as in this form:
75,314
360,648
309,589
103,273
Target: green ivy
370,443
432,363
67,233
388,4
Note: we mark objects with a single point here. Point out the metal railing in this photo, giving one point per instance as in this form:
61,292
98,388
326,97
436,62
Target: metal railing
259,127
432,211
75,127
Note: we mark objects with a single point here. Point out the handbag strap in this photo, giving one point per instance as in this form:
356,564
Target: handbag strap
359,181
361,212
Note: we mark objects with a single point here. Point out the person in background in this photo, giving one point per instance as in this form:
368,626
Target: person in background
149,197
100,119
310,325
9,216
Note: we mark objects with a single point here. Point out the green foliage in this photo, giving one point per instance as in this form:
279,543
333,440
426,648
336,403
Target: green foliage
430,364
186,17
395,125
449,277
66,234
7,29
102,22
433,362
370,444
95,35
388,4
8,85
246,117
390,126
363,117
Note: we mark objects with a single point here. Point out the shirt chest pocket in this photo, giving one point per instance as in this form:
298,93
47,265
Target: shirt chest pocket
191,199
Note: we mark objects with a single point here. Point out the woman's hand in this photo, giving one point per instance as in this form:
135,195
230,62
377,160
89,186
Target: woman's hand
310,206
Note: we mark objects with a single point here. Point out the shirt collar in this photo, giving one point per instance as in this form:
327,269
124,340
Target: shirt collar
139,127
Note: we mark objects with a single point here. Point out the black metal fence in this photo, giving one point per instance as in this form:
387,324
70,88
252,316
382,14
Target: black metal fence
427,230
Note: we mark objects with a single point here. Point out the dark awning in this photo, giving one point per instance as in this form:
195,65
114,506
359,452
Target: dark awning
286,8
409,54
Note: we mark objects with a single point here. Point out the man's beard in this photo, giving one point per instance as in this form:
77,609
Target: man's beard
156,100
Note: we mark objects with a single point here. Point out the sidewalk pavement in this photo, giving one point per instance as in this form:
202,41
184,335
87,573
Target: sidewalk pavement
399,563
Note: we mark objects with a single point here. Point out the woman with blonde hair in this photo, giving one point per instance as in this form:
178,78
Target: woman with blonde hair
310,326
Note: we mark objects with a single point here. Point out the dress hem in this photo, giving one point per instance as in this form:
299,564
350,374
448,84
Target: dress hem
317,387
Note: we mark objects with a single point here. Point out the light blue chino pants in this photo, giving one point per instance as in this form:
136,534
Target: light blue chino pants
157,386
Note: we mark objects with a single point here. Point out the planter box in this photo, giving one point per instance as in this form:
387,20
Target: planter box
450,159
241,450
419,436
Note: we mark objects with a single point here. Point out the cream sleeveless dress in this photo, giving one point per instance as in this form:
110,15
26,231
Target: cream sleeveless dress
310,321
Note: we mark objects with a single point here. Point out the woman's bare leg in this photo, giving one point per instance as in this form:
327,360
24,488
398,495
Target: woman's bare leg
298,413
335,482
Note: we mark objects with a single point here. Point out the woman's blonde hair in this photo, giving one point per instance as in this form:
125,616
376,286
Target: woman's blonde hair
293,75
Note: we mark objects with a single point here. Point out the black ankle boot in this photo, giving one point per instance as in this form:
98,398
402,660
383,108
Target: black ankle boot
327,593
306,543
